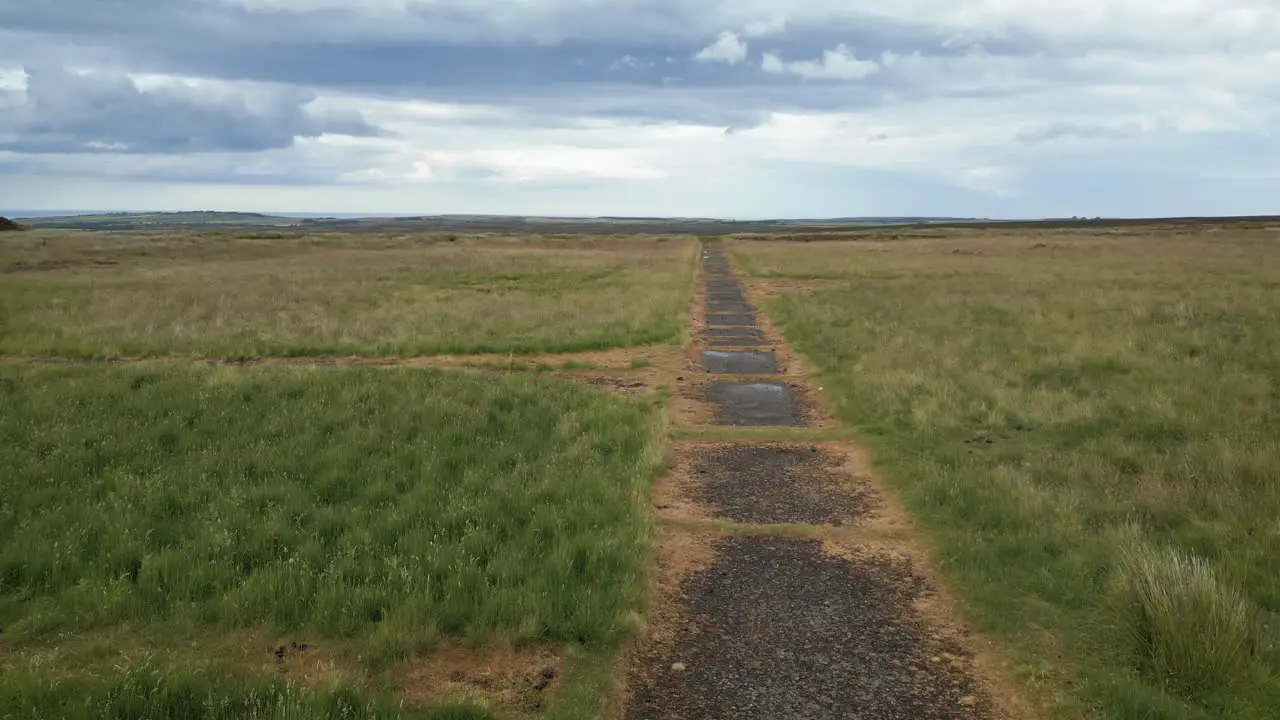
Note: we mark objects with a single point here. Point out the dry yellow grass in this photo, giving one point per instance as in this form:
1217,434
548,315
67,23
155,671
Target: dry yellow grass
1033,394
216,294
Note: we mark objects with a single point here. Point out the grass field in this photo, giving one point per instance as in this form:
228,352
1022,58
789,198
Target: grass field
162,526
223,294
1088,427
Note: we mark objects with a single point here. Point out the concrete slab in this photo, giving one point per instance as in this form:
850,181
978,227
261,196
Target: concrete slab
731,319
724,306
735,341
741,362
747,331
755,403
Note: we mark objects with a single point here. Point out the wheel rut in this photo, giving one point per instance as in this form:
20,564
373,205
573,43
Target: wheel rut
785,585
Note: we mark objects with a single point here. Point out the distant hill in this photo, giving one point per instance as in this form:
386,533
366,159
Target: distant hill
552,225
137,221
7,225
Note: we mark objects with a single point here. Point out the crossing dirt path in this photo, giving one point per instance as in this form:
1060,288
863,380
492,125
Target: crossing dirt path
789,583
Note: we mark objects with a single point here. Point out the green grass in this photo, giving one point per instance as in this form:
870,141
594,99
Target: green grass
374,511
1088,428
148,692
223,295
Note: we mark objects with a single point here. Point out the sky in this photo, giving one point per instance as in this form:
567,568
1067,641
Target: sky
708,108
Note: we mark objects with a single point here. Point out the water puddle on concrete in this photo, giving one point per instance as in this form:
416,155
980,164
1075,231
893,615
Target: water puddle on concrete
743,362
755,403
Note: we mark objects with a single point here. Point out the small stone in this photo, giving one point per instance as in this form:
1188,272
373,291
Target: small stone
756,665
968,701
935,658
678,667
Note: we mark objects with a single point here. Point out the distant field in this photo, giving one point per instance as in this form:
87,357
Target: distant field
162,528
225,294
1088,427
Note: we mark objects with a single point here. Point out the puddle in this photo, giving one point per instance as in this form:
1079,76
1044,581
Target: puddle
745,362
755,403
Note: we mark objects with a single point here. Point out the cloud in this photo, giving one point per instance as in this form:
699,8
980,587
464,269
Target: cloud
728,48
66,111
1085,131
649,106
837,64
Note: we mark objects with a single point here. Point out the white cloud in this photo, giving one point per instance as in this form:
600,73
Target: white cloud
630,62
728,48
13,79
836,64
541,163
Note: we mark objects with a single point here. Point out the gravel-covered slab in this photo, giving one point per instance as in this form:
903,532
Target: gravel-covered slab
731,319
770,485
755,403
739,362
782,630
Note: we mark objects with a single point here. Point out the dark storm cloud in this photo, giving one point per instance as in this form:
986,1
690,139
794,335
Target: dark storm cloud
446,45
68,112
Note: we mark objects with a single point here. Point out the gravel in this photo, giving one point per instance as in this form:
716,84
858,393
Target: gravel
777,484
781,630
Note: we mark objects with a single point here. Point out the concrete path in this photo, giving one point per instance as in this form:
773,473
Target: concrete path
785,586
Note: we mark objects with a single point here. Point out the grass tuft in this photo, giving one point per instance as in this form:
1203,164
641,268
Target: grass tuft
1193,631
